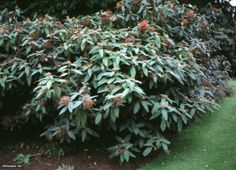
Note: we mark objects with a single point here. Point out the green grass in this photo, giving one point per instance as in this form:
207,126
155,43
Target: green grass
209,144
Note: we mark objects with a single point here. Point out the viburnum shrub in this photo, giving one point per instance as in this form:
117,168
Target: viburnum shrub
135,74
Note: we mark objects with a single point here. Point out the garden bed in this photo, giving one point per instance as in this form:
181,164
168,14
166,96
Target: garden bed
87,160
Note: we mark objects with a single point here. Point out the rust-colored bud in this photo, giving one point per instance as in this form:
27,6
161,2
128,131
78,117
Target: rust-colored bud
85,22
34,35
19,26
106,18
143,26
42,59
88,101
142,57
202,25
184,22
64,100
129,40
190,14
71,30
47,44
117,100
58,25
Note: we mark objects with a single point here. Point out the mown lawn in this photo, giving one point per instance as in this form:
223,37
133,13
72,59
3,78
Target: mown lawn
209,144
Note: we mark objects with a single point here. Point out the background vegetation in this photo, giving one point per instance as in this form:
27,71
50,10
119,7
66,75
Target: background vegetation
59,8
72,7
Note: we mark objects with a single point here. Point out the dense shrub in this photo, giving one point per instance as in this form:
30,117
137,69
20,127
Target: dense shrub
57,7
224,34
136,74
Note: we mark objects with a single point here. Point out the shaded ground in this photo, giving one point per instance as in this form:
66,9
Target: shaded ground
82,161
85,160
209,144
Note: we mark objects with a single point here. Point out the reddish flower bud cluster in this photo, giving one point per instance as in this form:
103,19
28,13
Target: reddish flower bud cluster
85,22
143,26
106,18
129,40
117,100
58,25
88,101
20,26
47,44
190,14
184,22
64,100
142,57
42,59
203,25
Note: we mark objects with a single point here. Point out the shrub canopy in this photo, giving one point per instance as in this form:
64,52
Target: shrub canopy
136,74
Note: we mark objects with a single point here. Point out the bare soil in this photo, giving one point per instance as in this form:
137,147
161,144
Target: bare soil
83,161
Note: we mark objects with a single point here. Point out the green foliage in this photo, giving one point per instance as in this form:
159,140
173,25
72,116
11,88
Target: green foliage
65,167
22,159
52,150
137,73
